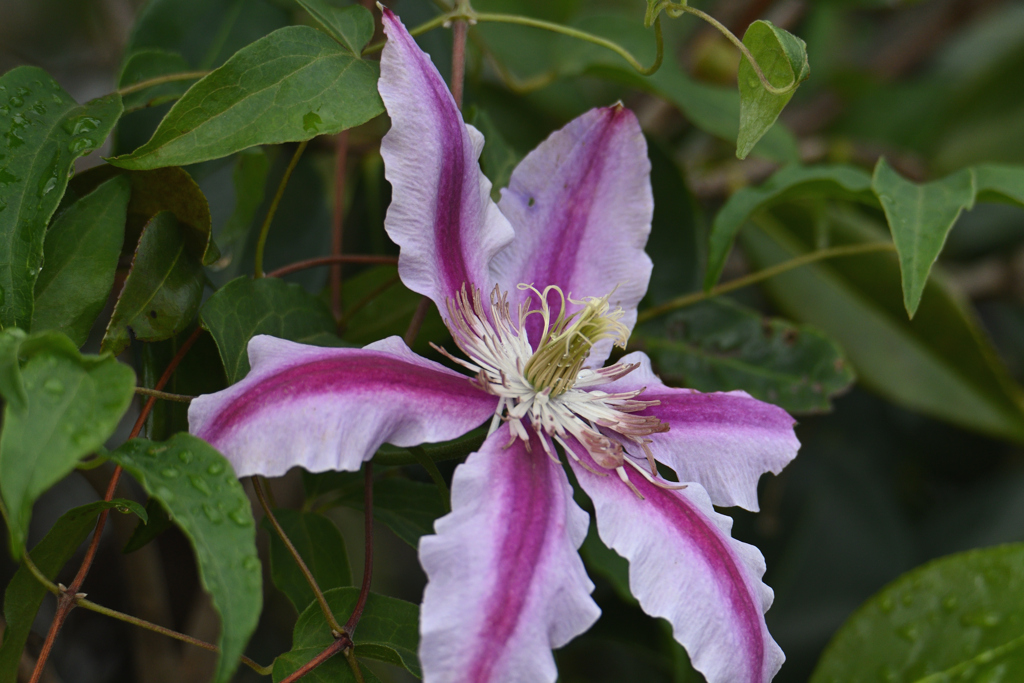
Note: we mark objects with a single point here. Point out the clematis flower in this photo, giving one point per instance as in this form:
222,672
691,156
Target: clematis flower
535,290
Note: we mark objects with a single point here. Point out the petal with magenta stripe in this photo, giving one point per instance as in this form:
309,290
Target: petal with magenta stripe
724,441
330,409
441,213
581,204
686,568
505,581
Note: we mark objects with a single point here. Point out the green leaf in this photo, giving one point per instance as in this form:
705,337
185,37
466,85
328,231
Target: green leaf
407,507
249,179
374,309
243,308
334,670
843,182
1000,183
388,631
25,594
956,618
920,217
80,258
173,189
321,547
293,84
714,109
197,486
498,158
718,345
604,561
352,26
74,404
42,132
148,64
12,386
939,363
783,61
157,522
162,291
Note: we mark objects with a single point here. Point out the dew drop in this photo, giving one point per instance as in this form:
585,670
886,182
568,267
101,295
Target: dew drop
3,205
753,81
240,517
16,101
215,469
185,457
199,484
6,177
212,513
82,439
888,674
907,599
909,633
123,509
886,604
949,603
164,494
252,563
47,186
170,472
80,145
54,386
39,108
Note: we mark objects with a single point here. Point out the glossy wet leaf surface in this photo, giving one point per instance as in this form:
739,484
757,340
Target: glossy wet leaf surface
42,132
200,492
80,257
957,618
162,291
73,405
293,84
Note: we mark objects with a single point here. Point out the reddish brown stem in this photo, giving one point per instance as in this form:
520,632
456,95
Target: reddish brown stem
66,601
330,260
338,224
331,650
364,590
458,60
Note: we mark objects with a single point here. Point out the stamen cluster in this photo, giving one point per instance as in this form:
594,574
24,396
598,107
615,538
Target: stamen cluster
549,389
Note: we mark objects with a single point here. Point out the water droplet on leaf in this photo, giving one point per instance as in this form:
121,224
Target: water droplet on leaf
212,513
215,469
53,386
185,457
170,472
199,484
241,517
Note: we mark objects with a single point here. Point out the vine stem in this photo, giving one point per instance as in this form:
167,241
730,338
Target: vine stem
465,13
66,601
330,260
306,573
265,228
141,623
338,219
331,650
180,398
160,80
674,10
752,278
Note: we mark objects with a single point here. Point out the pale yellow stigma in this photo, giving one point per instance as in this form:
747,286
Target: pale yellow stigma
566,341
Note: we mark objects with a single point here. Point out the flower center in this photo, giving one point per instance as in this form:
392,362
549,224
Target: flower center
566,341
549,390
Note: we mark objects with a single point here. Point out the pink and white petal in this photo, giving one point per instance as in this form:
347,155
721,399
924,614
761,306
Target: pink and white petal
724,441
581,204
331,409
505,582
685,567
441,213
